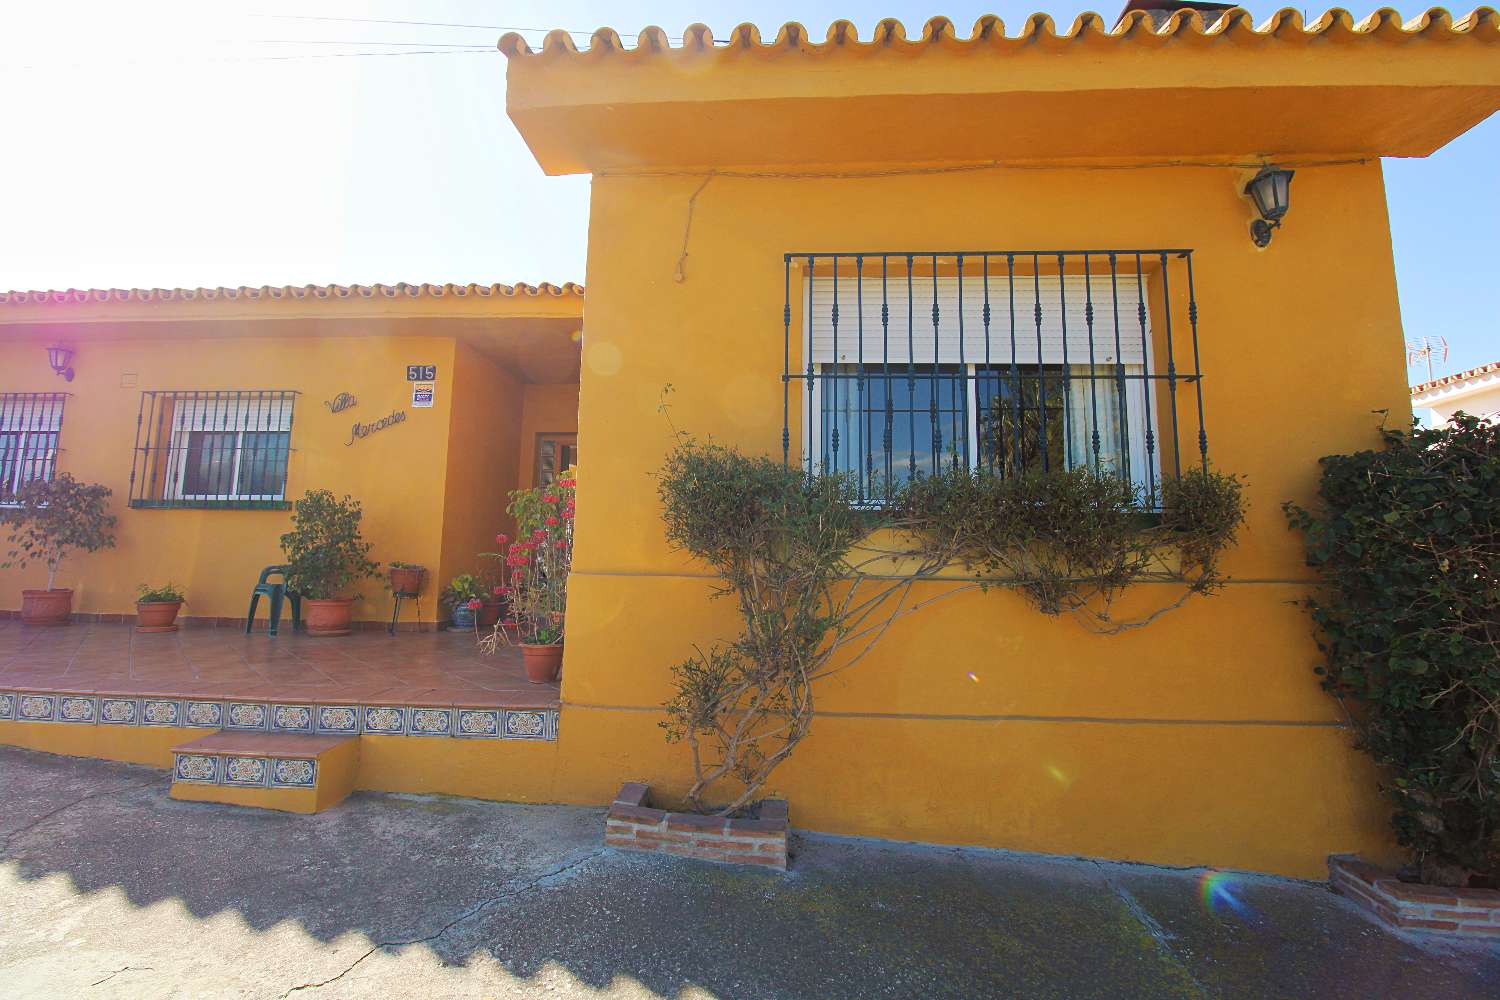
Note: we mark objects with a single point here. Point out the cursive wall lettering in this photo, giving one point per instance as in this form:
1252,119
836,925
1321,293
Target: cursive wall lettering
365,430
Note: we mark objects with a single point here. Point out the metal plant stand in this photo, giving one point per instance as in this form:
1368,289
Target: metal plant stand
396,611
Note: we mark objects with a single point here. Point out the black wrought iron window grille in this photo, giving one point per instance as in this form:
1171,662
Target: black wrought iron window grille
901,364
30,432
212,449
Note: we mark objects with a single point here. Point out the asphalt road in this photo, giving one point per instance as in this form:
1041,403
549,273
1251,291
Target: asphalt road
109,888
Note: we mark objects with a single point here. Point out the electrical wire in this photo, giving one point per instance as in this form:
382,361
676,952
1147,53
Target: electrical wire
442,24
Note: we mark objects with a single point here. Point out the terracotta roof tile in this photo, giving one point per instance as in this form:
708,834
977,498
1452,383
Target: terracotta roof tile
1135,27
1437,383
399,290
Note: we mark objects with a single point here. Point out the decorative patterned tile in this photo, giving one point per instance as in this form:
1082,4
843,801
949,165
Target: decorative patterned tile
478,723
36,707
338,719
160,712
245,771
552,718
246,715
294,773
200,769
7,706
385,719
119,712
525,725
292,718
430,722
208,714
77,708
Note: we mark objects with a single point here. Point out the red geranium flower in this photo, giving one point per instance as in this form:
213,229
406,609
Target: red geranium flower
553,522
539,533
501,539
501,591
475,604
549,498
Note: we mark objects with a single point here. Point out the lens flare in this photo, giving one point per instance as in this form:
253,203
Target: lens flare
973,677
1218,891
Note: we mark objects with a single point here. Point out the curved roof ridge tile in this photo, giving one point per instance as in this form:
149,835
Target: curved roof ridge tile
1286,24
84,295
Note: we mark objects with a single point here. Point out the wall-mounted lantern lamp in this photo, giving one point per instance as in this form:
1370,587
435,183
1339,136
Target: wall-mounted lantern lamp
1271,190
61,359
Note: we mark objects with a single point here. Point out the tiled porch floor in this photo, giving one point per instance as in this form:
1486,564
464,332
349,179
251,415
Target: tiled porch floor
428,668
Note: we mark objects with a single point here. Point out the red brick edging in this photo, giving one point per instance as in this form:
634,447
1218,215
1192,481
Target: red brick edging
633,825
1428,909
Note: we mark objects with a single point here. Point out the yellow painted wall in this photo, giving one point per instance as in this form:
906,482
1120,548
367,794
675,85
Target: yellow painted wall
1203,739
397,473
549,409
483,450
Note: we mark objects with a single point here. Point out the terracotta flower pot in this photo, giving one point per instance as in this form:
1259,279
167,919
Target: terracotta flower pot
490,613
407,580
542,662
330,617
157,616
46,607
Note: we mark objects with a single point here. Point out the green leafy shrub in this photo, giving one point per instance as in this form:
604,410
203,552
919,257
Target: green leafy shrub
168,594
324,549
55,516
1408,542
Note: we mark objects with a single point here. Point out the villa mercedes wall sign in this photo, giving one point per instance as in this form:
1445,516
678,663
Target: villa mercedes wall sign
343,401
365,430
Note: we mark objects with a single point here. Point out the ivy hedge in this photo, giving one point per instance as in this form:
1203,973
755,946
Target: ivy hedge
1408,541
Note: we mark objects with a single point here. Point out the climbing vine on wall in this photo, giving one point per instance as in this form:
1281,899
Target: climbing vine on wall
818,579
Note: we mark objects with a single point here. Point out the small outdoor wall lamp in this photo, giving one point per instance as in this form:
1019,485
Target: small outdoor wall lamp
1271,190
60,358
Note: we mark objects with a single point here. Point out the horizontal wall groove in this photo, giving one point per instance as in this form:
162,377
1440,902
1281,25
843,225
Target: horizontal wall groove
1056,719
652,574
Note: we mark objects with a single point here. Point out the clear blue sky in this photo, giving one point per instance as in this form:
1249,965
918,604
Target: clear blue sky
172,143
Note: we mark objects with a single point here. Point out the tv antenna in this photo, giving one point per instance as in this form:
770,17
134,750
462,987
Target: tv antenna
1418,351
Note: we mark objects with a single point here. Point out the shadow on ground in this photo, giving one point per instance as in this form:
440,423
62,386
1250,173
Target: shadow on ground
108,884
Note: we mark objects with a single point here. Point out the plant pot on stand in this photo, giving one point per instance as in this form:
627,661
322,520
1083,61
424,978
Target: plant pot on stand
46,607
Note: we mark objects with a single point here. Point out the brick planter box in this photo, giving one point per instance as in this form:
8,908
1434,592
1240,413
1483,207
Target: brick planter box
1465,914
635,826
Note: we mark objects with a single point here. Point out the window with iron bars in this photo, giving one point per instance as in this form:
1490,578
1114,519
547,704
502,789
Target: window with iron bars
212,449
901,364
30,429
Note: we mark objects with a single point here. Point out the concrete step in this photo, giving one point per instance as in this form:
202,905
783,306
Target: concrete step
286,771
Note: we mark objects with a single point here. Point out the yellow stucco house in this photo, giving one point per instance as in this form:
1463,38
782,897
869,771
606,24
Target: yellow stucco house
206,411
881,255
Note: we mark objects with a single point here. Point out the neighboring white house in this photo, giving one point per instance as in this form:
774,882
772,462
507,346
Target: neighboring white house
1475,391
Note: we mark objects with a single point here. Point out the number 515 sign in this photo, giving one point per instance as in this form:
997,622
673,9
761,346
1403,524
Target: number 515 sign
421,373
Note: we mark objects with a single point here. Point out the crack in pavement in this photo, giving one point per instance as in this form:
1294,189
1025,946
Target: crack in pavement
472,911
128,968
10,837
1159,934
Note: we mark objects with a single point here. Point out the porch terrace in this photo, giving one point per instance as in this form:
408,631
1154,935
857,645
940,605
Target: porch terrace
223,678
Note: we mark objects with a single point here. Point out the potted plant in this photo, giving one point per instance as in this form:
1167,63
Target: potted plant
464,597
539,563
156,608
406,578
325,555
51,518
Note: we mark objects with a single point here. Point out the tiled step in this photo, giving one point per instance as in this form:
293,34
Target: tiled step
286,771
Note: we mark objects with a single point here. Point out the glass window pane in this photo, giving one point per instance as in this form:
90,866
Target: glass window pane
209,463
923,413
263,459
10,461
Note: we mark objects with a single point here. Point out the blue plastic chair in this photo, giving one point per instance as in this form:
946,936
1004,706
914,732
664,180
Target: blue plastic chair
278,593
